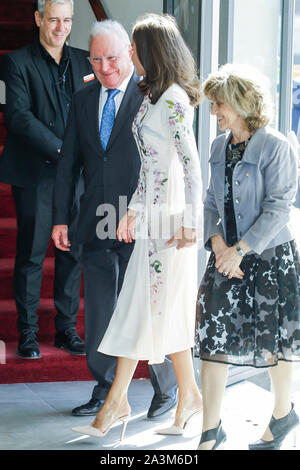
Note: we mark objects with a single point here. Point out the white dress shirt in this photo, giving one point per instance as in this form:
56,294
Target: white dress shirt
118,98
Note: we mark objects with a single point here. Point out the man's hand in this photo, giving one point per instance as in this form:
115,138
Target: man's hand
60,237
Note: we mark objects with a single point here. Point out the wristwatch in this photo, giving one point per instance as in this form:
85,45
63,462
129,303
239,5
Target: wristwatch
240,250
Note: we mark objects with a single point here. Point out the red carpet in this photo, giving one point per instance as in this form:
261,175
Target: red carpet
16,30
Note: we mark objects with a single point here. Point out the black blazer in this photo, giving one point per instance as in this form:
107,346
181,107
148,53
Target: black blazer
30,113
107,174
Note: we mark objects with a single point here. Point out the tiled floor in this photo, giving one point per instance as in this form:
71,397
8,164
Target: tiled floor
37,416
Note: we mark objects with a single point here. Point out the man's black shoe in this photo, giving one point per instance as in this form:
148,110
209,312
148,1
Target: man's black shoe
70,341
28,347
162,402
88,409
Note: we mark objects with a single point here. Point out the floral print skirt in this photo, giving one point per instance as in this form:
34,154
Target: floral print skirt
254,321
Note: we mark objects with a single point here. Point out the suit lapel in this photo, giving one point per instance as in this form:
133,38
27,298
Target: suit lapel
43,71
75,71
130,103
92,115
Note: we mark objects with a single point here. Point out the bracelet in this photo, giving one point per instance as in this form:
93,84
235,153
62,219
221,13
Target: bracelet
240,251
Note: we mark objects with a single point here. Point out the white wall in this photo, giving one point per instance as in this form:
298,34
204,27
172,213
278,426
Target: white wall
124,11
257,35
82,21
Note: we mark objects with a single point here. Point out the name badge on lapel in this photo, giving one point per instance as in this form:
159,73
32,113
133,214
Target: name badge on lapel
89,78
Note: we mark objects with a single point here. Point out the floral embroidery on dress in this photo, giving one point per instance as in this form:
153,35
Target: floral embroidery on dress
141,186
148,155
149,152
155,273
136,130
159,185
178,109
176,121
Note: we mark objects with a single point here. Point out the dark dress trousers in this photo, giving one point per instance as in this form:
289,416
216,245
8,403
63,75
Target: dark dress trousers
108,174
35,114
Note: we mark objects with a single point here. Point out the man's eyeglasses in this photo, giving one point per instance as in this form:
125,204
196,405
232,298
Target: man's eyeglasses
110,59
100,60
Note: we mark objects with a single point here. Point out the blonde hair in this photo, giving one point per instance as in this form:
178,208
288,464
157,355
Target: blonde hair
244,89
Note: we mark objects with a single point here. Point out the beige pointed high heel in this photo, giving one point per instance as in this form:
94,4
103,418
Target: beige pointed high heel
178,430
94,432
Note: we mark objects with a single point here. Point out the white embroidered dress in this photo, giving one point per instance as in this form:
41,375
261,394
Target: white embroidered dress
155,312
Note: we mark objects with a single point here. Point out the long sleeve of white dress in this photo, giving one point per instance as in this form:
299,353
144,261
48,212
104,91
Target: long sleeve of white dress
171,137
180,119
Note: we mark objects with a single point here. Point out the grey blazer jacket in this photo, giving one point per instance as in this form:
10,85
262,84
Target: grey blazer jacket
264,187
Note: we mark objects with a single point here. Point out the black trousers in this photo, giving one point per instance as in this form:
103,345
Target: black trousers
34,221
104,266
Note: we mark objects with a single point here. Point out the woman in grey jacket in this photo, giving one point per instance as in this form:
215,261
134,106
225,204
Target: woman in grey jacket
248,308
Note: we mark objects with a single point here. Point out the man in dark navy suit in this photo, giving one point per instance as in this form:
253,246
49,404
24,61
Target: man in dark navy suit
40,79
99,140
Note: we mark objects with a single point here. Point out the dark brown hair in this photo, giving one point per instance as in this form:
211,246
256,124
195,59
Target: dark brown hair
165,57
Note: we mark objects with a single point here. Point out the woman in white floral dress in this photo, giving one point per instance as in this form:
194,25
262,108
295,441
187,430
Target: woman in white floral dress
155,313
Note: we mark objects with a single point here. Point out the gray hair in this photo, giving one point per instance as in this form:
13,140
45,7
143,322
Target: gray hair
107,28
42,3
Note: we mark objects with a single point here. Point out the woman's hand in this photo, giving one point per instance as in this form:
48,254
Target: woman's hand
227,258
228,261
126,228
186,237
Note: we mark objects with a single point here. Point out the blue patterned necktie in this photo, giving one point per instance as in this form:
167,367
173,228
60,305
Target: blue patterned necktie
108,117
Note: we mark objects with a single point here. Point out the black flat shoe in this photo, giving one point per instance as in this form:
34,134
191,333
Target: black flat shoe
279,428
88,409
28,347
70,341
161,403
216,434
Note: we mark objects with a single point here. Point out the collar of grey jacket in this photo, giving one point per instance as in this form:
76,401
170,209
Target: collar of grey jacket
252,152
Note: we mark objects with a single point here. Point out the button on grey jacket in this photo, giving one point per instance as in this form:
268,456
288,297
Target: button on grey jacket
264,186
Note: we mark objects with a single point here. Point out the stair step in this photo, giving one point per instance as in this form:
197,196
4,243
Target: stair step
7,206
16,36
8,237
16,24
8,230
3,129
3,134
8,307
5,190
46,313
2,53
55,365
6,278
17,10
7,265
